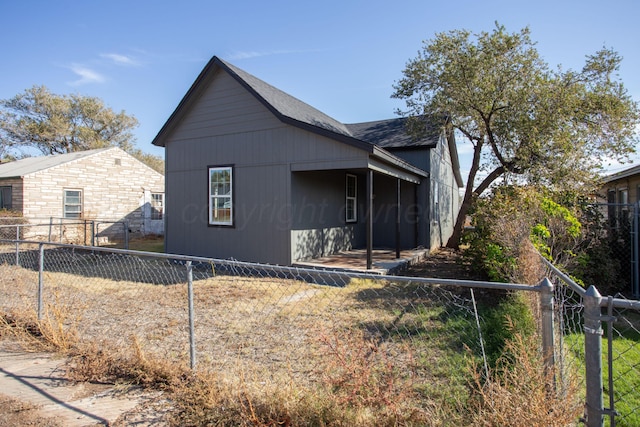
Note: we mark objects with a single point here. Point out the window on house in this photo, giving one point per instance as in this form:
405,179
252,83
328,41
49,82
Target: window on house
157,206
221,195
5,197
72,204
623,199
611,207
351,208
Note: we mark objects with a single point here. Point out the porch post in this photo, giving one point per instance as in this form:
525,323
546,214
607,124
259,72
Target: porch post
398,220
369,218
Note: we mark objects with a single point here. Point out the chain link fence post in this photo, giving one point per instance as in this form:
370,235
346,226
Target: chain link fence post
40,279
635,281
546,306
594,410
125,224
17,245
192,334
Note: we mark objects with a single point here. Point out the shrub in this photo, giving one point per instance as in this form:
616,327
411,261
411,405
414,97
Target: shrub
513,216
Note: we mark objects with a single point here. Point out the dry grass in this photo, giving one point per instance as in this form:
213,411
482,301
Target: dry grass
270,351
521,392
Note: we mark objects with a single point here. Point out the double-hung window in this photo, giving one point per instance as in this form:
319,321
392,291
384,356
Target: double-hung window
72,204
351,206
157,206
221,195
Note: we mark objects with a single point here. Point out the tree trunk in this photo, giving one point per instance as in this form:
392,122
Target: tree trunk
469,195
454,240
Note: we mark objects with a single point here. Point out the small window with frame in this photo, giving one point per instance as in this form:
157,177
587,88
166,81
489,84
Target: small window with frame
157,206
221,195
72,204
351,206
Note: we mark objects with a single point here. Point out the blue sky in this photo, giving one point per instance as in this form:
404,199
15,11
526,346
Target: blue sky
342,57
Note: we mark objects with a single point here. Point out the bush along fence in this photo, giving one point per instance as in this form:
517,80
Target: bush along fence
70,231
393,342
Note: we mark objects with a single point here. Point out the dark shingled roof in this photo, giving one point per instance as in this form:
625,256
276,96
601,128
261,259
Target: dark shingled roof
392,133
287,105
383,134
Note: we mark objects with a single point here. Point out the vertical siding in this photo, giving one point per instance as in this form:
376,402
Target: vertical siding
223,108
385,202
318,223
445,195
227,126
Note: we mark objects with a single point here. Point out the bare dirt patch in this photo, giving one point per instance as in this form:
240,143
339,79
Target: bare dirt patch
18,413
445,263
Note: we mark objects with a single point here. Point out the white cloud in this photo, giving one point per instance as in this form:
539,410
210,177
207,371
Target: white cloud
86,75
247,55
237,55
119,59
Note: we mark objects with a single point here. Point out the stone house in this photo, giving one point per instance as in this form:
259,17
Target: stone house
106,185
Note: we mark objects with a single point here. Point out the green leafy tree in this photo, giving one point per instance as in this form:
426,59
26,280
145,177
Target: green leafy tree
57,124
546,127
154,162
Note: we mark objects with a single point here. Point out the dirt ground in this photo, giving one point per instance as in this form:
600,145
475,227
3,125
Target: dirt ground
445,263
16,413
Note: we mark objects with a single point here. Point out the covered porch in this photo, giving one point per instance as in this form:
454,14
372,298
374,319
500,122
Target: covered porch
383,261
342,216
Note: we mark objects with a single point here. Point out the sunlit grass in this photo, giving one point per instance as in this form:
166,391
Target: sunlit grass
626,375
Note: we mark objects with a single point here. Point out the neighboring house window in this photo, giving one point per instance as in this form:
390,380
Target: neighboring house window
623,199
157,206
221,195
5,197
72,204
611,200
352,199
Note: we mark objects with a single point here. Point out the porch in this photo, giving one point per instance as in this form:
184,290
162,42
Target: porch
384,261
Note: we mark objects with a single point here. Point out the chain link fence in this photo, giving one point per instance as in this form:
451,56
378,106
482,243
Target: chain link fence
69,231
619,247
258,323
611,361
262,324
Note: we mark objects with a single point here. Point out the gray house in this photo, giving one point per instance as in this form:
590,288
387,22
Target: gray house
255,174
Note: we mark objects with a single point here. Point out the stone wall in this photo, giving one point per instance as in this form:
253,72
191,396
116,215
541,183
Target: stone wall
114,186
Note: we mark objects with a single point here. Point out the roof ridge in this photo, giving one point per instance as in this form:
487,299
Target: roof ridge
287,104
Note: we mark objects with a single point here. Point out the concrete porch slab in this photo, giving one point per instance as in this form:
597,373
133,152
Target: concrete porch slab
384,261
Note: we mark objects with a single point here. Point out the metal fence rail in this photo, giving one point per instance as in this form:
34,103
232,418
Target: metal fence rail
601,335
264,322
69,231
